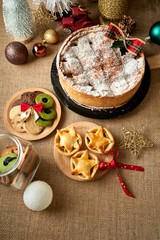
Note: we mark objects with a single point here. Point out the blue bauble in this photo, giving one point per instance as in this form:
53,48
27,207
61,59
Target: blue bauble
154,33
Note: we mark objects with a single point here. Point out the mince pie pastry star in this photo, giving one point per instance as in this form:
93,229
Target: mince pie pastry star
99,140
68,141
84,164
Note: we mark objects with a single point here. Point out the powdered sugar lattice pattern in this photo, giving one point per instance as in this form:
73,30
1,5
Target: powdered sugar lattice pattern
90,66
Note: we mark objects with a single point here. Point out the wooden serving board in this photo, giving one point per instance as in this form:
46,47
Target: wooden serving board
63,162
154,61
27,136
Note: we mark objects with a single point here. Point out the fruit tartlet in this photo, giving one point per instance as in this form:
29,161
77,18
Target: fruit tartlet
84,164
99,140
68,141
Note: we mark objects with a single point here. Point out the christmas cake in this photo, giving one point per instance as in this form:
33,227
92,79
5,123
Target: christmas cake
94,74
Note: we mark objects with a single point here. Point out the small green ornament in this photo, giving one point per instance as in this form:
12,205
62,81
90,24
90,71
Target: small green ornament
154,33
119,44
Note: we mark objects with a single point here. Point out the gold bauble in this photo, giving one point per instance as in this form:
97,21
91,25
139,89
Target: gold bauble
51,36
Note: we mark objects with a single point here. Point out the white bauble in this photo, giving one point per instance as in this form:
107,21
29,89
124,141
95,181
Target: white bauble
38,196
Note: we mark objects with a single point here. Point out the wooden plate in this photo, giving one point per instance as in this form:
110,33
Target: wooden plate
25,135
63,162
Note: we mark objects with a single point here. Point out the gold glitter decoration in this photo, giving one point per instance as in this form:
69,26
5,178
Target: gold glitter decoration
134,140
112,9
42,17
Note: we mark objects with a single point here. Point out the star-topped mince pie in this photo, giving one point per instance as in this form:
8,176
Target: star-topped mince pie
68,141
84,164
99,140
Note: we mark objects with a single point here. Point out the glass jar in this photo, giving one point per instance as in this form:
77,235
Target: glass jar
21,173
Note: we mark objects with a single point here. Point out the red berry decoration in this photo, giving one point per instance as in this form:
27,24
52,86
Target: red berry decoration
39,50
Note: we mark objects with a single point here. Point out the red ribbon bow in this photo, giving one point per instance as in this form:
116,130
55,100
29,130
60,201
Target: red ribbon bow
38,107
133,45
112,164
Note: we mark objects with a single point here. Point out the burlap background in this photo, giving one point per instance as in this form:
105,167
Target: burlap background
98,209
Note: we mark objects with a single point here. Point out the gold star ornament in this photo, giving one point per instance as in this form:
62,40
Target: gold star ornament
134,140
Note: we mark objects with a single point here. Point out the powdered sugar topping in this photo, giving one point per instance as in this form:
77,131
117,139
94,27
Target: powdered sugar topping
89,65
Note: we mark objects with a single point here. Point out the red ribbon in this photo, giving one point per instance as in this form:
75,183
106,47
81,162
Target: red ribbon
112,164
133,45
38,107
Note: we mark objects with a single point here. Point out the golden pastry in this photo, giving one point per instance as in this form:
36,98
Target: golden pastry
68,141
99,140
84,164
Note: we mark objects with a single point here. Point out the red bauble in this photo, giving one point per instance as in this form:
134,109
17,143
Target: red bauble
39,50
